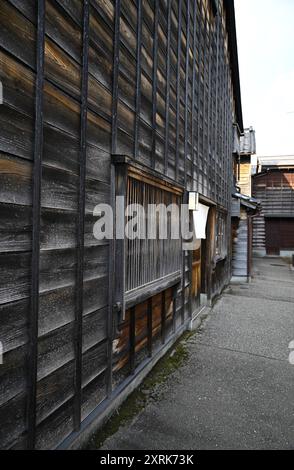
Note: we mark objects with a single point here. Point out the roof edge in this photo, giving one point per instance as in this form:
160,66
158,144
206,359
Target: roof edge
229,6
266,171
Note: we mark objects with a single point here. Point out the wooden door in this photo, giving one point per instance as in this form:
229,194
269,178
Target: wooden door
196,276
279,235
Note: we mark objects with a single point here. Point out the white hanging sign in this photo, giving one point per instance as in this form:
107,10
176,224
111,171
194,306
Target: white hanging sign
200,220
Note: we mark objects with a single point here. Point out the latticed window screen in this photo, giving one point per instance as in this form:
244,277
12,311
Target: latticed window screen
221,239
148,260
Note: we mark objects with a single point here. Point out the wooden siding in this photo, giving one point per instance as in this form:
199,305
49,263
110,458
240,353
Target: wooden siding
134,344
151,80
275,190
245,176
240,247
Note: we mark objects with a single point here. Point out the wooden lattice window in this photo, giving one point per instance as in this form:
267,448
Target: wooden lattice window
221,235
145,266
149,260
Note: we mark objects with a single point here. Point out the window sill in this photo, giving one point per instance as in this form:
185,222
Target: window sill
139,295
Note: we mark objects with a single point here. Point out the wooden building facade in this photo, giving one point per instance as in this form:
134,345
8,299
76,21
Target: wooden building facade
100,97
273,228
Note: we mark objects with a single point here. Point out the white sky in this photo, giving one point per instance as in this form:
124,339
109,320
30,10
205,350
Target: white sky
265,32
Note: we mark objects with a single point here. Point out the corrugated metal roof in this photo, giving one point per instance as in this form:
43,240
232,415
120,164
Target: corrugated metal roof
277,161
248,142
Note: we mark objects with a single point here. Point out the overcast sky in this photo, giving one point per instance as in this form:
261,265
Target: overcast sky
265,31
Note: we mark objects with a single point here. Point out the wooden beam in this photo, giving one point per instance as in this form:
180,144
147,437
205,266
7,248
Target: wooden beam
36,222
132,339
115,73
138,78
149,327
167,100
154,83
81,220
178,87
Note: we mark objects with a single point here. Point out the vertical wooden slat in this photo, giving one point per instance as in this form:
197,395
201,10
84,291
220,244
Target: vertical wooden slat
132,339
178,86
209,124
174,294
167,100
114,296
163,317
186,91
149,327
193,97
119,287
138,77
116,44
193,137
81,220
186,137
185,201
218,22
36,215
110,323
205,104
154,83
200,54
117,187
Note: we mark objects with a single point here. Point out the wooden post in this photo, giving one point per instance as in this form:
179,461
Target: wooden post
36,222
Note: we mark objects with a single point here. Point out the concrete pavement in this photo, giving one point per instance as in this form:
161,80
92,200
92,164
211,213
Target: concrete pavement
235,389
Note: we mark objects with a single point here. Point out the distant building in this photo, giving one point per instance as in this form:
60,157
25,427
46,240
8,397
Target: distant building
244,207
247,151
273,185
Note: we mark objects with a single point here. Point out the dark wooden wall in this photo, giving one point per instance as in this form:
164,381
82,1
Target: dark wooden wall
82,80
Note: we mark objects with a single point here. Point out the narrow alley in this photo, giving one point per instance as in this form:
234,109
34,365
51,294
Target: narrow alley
235,388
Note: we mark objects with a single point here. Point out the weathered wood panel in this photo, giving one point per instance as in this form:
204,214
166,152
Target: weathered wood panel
245,176
159,329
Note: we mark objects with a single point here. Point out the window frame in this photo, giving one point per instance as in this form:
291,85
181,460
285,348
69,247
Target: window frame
221,252
125,167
